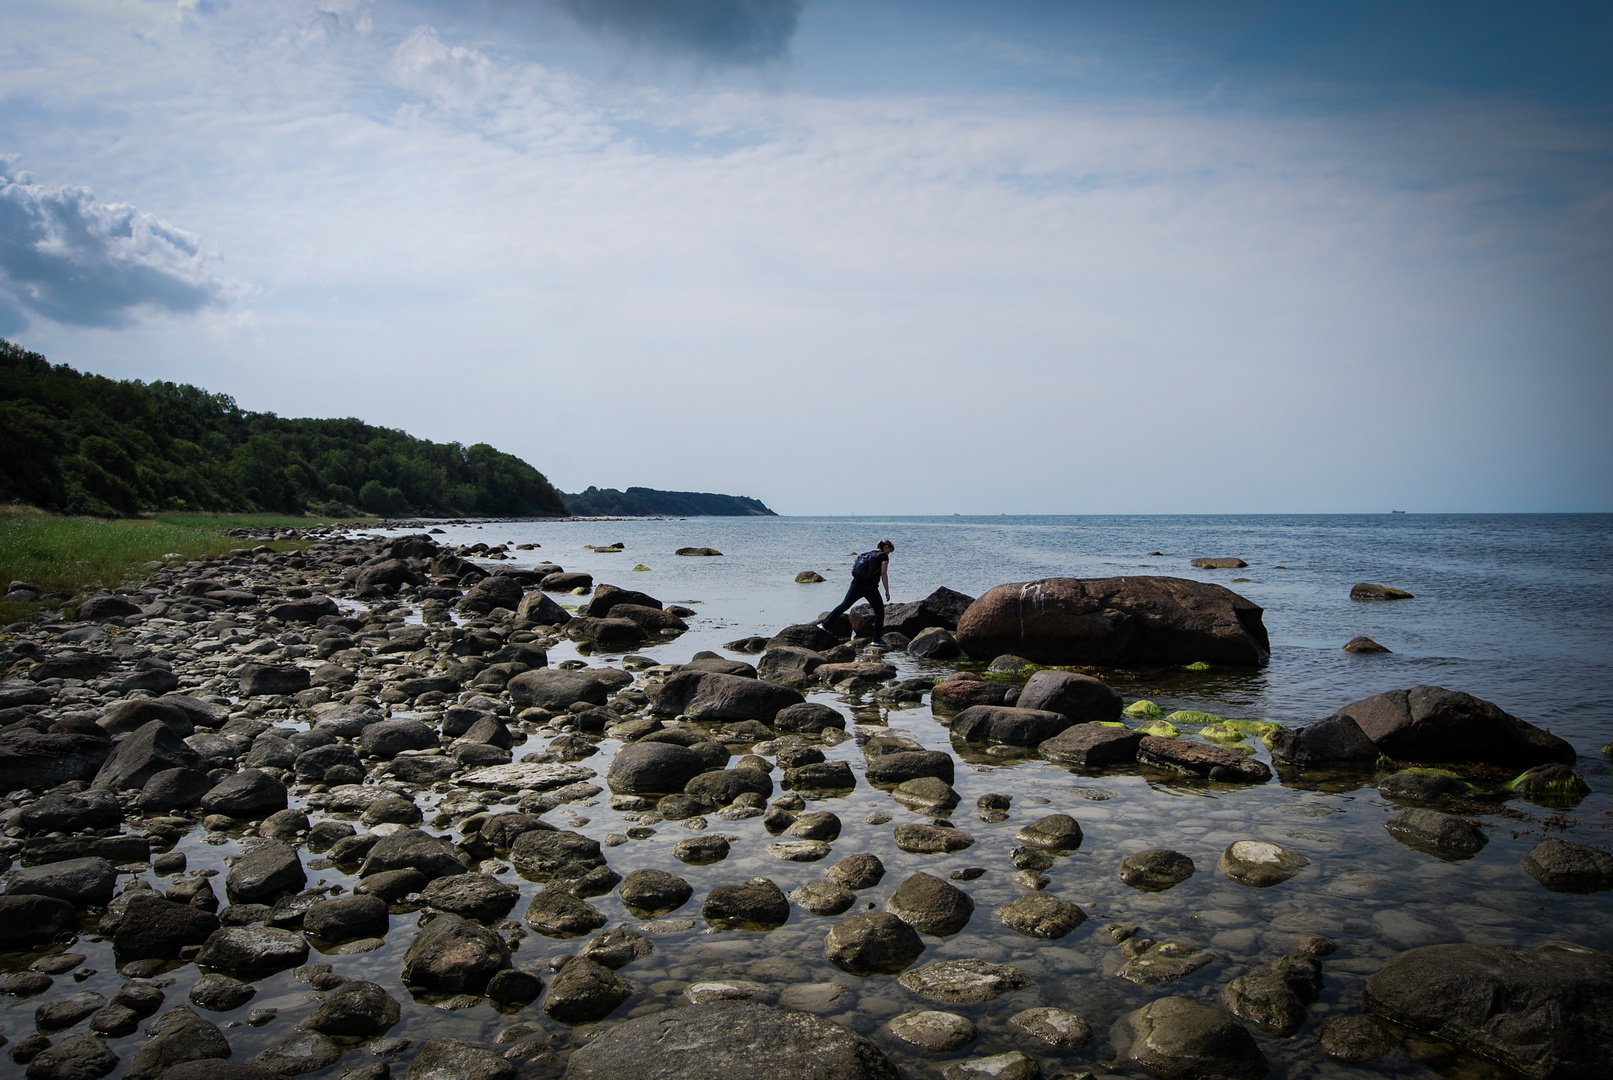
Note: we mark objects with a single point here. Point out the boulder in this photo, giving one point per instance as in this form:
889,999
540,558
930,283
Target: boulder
612,634
264,873
310,609
250,794
934,1031
936,643
251,952
155,928
80,882
566,581
1055,832
1274,997
907,765
1423,786
34,759
1445,835
1260,864
1201,760
1177,1038
179,1036
1547,1014
607,597
918,839
28,920
786,665
941,609
1430,723
1041,915
961,692
131,714
723,786
1116,622
959,982
1355,1040
394,572
71,811
1155,870
77,1057
1013,725
649,619
258,680
495,591
705,695
1564,866
454,955
1367,590
729,1039
930,905
757,903
872,942
150,750
481,897
584,991
1092,746
808,718
454,1059
1082,698
649,893
556,690
653,768
355,1009
557,913
539,609
106,606
344,918
538,854
389,738
1337,741
1363,645
808,636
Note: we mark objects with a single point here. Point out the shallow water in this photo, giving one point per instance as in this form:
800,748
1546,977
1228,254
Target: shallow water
1510,609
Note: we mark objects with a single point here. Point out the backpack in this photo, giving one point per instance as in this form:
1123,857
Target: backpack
866,566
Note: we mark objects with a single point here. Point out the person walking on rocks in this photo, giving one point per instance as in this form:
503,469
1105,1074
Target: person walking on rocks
869,571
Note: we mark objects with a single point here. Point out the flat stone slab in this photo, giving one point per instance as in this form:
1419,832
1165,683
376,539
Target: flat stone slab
524,775
963,981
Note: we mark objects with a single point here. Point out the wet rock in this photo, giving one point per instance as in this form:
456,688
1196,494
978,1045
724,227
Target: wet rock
1081,698
823,897
77,1057
454,955
1092,746
617,948
153,927
389,738
936,643
1444,835
1176,1038
493,591
1274,997
540,853
265,872
64,1012
250,794
1013,1065
1151,962
78,881
904,765
301,1052
1338,740
931,905
1156,870
392,885
284,825
1367,590
515,987
148,751
964,981
180,1035
1564,866
872,942
554,912
808,718
723,786
393,810
584,991
1423,786
653,768
649,892
556,690
756,903
411,849
358,1009
1260,864
1115,622
729,1038
926,793
1550,785
258,680
220,993
932,1030
931,839
705,695
964,691
1355,1040
71,811
857,872
701,850
31,919
1013,725
481,897
799,850
1065,1030
816,825
1543,1013
1201,760
1042,915
1430,723
1363,645
1055,832
821,776
347,917
250,952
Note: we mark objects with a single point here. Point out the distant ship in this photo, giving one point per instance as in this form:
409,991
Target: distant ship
1397,511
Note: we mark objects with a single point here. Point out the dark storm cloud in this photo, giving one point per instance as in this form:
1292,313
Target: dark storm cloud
730,32
69,258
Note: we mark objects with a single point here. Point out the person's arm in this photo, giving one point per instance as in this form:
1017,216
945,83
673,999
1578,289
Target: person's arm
885,576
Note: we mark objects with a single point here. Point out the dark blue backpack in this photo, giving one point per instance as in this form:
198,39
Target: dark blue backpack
866,567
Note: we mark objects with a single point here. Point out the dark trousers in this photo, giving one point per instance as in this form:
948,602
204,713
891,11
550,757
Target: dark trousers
863,590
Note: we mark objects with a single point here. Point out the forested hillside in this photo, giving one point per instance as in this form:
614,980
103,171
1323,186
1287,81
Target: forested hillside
648,502
85,444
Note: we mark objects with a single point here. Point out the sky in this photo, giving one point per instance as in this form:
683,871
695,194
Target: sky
882,257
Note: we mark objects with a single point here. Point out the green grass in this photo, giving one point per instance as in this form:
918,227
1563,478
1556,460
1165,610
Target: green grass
76,555
242,521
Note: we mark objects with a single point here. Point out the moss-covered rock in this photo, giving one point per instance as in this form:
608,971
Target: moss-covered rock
1147,708
1164,729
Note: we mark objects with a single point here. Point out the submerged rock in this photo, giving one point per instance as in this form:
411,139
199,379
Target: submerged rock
1423,786
1355,1040
1042,915
872,942
963,981
930,905
1156,870
1547,1014
1176,1038
1444,835
1065,1030
1564,866
932,1030
1260,864
1274,997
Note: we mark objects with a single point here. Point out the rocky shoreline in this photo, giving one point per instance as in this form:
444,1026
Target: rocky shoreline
359,749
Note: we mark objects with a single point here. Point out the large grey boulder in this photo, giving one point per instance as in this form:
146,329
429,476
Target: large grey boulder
132,714
1547,1014
1338,740
178,1036
1564,866
1430,723
653,768
250,952
35,759
556,690
412,849
143,754
930,905
78,881
1013,725
390,738
71,811
872,942
154,927
250,794
708,695
729,1040
1115,622
1092,746
1176,1038
454,955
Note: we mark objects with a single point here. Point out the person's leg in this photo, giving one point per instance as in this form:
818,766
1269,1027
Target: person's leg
879,611
853,594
